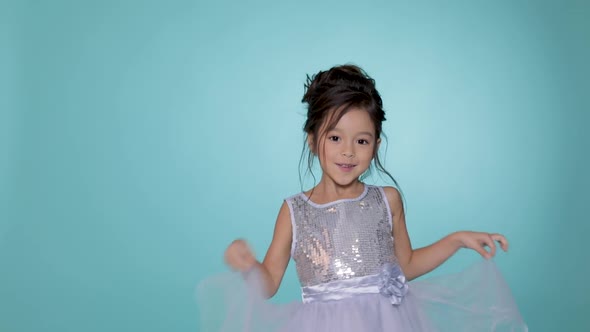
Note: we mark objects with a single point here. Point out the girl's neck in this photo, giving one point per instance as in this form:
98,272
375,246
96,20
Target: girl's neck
325,192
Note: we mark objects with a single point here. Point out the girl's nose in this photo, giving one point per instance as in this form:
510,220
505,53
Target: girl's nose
348,154
348,149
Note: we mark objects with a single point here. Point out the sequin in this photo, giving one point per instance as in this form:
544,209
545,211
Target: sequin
341,240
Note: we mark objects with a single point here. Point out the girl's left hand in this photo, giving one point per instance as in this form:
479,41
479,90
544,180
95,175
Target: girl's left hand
478,241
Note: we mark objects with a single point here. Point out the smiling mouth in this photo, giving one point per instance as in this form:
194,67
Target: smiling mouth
346,166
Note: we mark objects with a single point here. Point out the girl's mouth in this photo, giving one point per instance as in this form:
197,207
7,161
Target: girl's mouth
346,167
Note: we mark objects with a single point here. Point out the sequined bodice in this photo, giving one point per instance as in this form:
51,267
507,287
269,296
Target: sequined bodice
343,239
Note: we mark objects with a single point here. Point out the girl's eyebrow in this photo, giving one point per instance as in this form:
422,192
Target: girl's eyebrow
366,133
358,134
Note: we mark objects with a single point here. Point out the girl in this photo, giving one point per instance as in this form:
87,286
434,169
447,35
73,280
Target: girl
350,243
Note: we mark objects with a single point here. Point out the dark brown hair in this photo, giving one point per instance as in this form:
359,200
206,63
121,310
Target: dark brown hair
329,95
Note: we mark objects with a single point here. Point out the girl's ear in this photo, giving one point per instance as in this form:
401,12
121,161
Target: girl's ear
377,145
310,144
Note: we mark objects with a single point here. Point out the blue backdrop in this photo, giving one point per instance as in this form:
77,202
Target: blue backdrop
138,138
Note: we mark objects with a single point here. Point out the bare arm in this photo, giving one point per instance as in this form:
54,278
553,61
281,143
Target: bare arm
416,262
240,257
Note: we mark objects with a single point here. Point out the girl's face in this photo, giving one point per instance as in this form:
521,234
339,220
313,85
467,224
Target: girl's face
346,151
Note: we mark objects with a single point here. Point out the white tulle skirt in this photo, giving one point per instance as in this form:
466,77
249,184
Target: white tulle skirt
477,299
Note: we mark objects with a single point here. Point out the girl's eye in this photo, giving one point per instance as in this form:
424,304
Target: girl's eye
363,141
334,138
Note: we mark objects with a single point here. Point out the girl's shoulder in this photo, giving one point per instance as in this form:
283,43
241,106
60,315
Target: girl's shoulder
394,198
391,192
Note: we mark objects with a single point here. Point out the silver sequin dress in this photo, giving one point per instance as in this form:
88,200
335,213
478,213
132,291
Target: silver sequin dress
351,281
341,240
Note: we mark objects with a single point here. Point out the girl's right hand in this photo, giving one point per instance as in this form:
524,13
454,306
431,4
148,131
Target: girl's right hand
239,256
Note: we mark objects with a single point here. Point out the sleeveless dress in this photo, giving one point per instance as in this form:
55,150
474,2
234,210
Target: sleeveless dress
351,281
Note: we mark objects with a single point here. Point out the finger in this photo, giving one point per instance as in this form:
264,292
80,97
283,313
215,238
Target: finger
484,243
247,259
489,242
237,260
245,249
481,250
228,258
246,265
240,263
241,267
502,240
252,262
232,261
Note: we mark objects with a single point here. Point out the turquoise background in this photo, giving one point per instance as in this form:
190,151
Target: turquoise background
138,138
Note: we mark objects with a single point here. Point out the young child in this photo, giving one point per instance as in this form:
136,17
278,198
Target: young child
349,239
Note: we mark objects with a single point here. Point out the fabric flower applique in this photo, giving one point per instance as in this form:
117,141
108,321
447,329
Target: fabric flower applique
392,283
